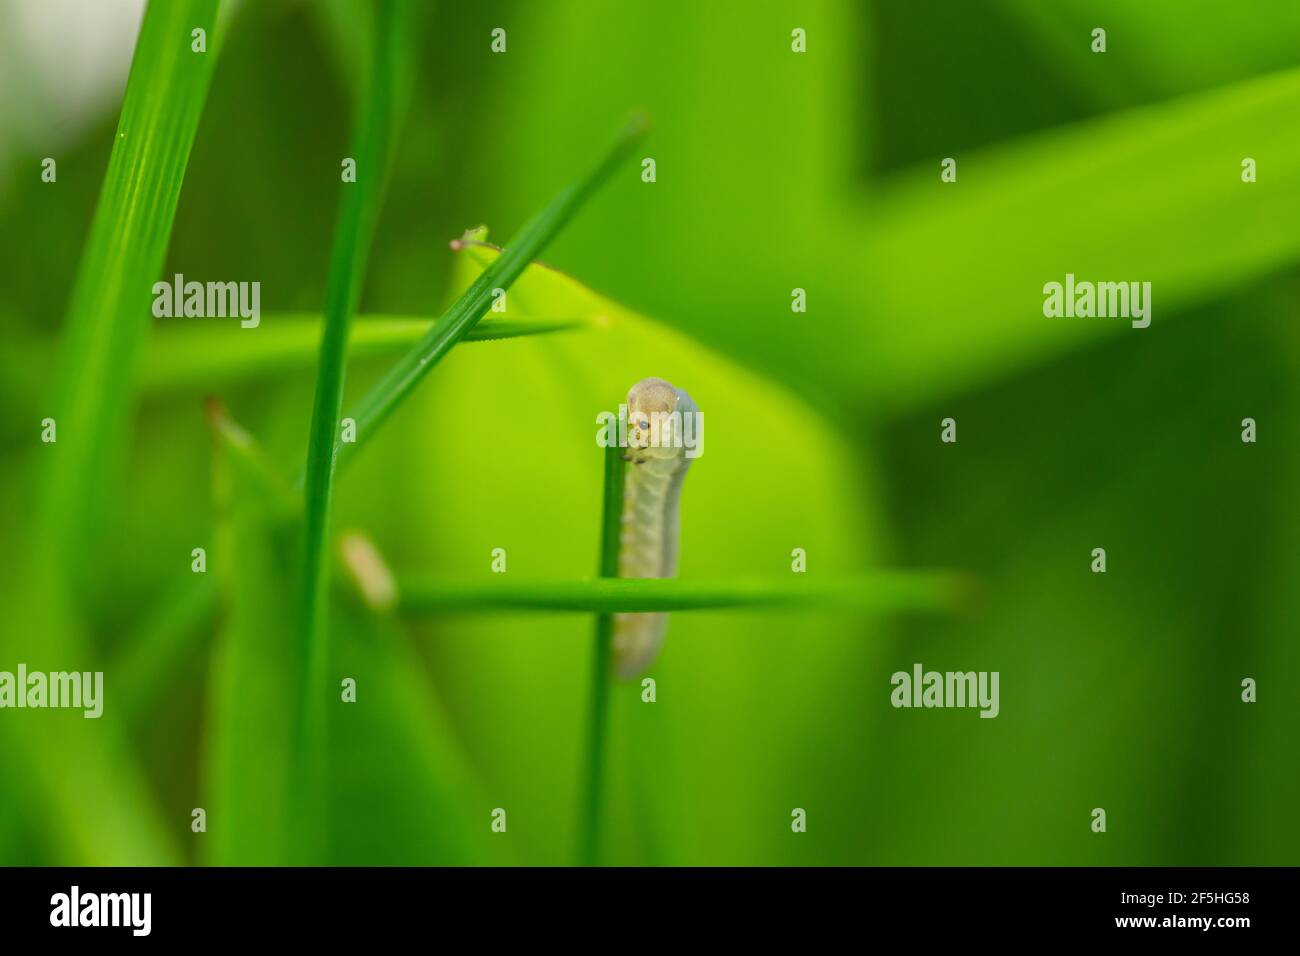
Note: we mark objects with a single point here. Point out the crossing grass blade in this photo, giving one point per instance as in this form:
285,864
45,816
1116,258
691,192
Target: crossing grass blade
454,324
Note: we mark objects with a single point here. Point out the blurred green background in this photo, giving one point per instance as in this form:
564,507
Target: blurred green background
775,170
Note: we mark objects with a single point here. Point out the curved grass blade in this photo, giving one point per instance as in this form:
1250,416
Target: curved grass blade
389,80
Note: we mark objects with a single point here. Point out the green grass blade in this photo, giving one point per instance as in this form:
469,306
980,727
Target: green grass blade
196,356
611,527
1223,48
415,800
176,625
141,668
108,317
934,326
389,81
390,391
107,320
250,721
881,592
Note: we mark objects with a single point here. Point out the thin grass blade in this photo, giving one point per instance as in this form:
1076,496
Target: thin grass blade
203,356
880,592
611,527
389,80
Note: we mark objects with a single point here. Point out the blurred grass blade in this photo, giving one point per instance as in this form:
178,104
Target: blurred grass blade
388,87
1224,48
611,527
108,317
389,392
173,629
141,668
200,356
880,592
251,707
1092,196
405,793
182,619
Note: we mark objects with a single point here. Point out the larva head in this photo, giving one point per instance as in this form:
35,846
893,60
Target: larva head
651,425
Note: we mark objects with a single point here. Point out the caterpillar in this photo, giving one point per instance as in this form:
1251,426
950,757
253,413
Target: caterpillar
656,467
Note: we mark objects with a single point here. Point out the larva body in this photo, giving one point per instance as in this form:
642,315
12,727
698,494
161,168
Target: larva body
656,467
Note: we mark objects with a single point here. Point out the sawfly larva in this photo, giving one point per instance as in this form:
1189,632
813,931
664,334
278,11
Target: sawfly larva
657,458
